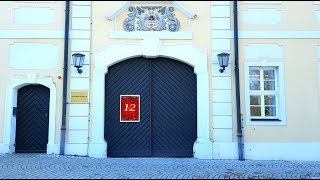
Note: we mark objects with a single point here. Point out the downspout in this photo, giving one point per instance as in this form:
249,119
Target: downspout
236,69
65,80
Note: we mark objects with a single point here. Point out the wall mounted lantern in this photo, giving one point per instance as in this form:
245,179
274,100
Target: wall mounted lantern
78,60
223,59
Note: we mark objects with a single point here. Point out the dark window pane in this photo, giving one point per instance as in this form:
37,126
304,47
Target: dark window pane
268,74
254,85
269,85
255,111
255,100
270,100
254,72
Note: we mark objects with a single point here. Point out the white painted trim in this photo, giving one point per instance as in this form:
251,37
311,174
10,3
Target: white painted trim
221,82
263,51
17,34
34,16
318,56
76,149
126,4
11,101
3,149
70,149
42,34
220,11
21,58
299,151
143,34
263,2
81,11
219,34
319,75
185,52
82,3
281,96
220,3
266,34
262,16
36,1
225,150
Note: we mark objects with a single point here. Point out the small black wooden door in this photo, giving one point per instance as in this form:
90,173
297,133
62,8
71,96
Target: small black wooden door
32,119
168,103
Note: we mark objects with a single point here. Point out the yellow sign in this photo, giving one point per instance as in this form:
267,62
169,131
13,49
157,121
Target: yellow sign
79,96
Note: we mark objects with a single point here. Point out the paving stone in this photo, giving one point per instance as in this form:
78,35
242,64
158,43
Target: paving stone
42,166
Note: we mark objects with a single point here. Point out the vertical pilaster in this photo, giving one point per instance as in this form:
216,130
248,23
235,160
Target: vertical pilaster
221,82
79,112
319,67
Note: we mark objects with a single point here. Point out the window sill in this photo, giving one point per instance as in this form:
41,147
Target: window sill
266,122
254,119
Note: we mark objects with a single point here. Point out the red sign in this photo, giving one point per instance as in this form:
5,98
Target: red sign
129,108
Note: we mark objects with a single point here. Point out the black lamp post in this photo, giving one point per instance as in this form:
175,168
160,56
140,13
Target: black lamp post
78,60
223,59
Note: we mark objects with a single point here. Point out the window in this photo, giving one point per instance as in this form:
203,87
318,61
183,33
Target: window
264,93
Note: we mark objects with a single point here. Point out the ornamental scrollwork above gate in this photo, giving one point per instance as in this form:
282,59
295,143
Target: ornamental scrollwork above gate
151,18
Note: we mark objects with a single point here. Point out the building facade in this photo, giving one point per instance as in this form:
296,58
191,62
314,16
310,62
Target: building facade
151,83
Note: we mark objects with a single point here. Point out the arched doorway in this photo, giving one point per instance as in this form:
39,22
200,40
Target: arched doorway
168,108
32,119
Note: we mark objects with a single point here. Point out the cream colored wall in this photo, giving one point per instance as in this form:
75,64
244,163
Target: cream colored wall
200,27
7,23
301,91
300,70
297,15
7,73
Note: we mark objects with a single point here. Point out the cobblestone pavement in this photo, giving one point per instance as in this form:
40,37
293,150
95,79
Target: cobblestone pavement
42,166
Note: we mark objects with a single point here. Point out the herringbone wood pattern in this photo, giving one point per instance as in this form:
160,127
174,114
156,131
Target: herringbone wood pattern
168,100
32,119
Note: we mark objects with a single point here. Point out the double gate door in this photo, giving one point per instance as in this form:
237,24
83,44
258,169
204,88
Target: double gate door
168,108
32,119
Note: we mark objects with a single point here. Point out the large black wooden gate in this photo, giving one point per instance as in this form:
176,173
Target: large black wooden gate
32,120
168,103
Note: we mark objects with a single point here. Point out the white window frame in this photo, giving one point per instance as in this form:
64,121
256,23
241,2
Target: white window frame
280,84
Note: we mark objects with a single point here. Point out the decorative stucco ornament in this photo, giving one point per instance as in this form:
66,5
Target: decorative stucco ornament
151,18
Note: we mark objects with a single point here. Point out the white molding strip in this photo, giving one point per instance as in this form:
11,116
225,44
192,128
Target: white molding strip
42,34
266,34
262,16
216,34
262,2
34,16
30,34
141,35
